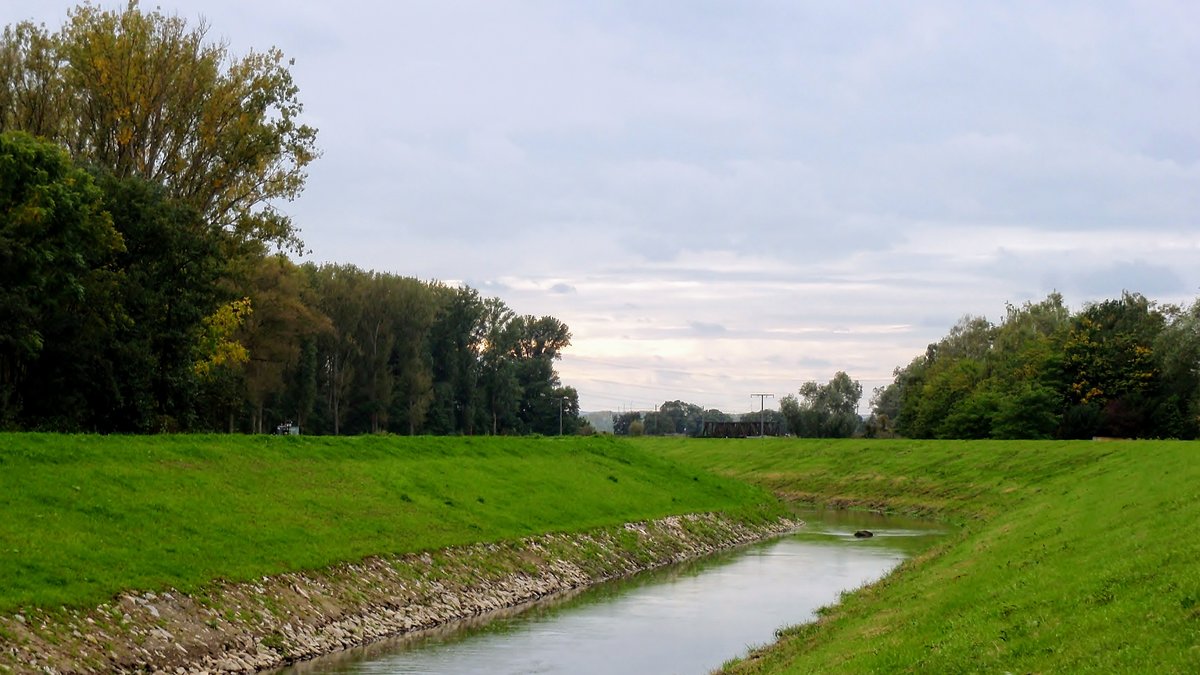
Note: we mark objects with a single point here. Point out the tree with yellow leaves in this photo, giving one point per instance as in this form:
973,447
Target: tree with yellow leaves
144,94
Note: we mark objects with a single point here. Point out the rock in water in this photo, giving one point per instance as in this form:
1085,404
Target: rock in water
863,534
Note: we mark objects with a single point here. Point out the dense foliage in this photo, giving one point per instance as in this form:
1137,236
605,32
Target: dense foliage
140,166
143,94
1125,367
396,354
56,246
670,418
820,411
824,410
121,313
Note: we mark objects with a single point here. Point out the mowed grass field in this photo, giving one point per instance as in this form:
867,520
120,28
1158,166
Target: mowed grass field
1069,556
85,517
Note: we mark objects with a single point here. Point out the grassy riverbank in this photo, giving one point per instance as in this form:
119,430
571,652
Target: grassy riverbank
84,517
1071,557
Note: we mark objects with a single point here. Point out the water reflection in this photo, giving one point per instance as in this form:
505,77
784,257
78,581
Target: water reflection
687,619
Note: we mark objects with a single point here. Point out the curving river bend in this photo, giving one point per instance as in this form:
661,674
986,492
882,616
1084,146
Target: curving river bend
689,618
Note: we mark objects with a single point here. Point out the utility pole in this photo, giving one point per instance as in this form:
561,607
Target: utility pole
560,406
762,412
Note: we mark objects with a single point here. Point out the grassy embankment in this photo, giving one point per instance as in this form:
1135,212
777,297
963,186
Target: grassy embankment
84,517
1071,557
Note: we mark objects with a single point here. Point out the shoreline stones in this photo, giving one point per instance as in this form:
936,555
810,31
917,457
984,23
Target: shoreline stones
273,621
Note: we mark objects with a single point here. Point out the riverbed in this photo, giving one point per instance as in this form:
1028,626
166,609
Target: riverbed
688,618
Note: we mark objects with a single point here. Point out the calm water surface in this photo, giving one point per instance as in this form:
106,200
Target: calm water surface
687,619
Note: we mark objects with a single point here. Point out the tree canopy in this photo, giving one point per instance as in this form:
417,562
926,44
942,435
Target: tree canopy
144,94
1121,367
56,245
824,410
141,166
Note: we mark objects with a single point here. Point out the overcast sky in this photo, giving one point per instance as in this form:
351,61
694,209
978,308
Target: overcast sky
722,198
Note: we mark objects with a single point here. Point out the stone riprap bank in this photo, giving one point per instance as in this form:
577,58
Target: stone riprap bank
251,626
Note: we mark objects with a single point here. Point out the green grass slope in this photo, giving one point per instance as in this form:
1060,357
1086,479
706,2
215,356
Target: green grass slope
84,517
1071,556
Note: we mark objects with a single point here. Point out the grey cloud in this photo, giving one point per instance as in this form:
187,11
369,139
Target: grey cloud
1138,276
488,287
707,329
1179,147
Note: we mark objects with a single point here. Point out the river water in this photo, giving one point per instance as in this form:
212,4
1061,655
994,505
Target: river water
689,618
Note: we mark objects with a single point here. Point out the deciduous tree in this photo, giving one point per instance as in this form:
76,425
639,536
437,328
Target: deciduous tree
57,246
824,411
145,94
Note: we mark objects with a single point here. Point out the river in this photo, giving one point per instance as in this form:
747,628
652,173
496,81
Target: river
689,618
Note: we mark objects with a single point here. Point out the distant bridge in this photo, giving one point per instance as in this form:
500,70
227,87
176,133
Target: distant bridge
740,429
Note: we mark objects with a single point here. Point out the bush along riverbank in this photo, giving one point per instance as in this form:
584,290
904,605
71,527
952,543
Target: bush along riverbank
275,620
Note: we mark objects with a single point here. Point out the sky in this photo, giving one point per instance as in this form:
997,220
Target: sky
729,198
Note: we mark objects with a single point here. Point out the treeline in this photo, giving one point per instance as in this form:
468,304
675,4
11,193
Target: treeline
143,285
405,356
669,419
1125,367
122,311
825,410
819,411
